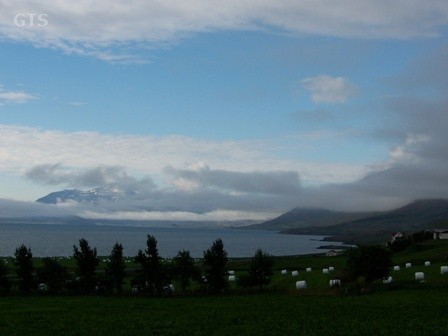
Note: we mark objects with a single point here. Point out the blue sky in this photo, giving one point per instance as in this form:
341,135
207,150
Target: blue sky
197,95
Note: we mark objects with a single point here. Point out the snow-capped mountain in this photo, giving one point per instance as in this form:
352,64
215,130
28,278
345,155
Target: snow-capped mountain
92,196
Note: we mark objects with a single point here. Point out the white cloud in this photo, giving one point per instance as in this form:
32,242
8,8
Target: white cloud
15,97
267,182
406,152
216,215
326,89
94,28
22,148
101,176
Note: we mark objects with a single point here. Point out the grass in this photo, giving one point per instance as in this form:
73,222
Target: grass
385,313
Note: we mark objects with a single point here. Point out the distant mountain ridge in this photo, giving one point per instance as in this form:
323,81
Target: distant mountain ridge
92,196
368,228
305,217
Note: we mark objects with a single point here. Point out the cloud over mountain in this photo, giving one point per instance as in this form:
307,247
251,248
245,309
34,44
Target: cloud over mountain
55,174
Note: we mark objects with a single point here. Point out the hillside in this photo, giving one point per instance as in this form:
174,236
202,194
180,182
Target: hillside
303,217
419,215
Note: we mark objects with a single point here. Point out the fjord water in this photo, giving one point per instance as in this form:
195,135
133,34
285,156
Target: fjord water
58,240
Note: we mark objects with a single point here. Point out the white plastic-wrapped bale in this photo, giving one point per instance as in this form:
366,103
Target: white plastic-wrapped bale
419,276
325,271
284,272
172,287
443,269
301,284
331,268
427,263
42,287
231,272
232,278
396,268
335,282
408,265
388,280
308,269
295,273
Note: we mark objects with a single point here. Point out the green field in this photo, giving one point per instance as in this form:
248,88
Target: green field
404,312
405,307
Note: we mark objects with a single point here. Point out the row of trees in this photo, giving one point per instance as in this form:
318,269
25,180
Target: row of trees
152,277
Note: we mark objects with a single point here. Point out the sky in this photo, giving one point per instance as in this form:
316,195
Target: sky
223,110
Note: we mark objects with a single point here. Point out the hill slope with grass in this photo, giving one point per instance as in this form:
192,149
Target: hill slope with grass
416,216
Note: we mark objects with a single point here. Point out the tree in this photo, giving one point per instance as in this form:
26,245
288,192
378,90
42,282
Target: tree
185,269
53,274
5,284
24,263
116,267
215,261
151,275
370,262
87,262
260,271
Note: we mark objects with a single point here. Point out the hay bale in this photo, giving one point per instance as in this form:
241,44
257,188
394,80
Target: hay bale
295,273
419,276
42,288
309,269
443,269
427,263
232,278
284,272
231,272
335,282
331,268
396,268
301,284
387,280
325,271
408,265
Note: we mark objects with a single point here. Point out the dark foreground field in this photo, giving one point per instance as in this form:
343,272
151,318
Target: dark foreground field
401,312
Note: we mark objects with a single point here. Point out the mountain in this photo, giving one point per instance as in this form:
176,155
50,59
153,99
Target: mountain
92,196
416,216
303,217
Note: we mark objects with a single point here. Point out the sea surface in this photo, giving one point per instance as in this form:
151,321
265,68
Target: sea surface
58,240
